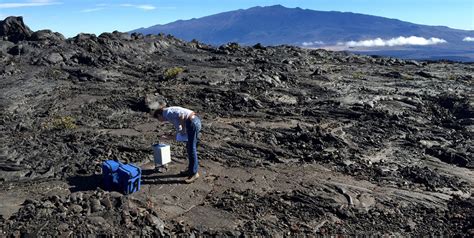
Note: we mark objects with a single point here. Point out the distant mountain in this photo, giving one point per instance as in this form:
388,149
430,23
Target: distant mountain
275,25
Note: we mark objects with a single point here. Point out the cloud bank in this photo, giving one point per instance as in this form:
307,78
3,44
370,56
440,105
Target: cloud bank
399,41
468,39
33,3
312,43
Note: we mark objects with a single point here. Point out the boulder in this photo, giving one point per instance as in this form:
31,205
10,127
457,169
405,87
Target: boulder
17,50
13,29
54,58
75,208
84,37
155,222
47,35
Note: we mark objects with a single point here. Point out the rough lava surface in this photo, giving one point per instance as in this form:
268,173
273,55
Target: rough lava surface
294,141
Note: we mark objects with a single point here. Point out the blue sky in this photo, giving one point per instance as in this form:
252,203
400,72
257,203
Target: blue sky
71,17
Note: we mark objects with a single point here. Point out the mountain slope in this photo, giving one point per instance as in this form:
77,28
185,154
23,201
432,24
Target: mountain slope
277,25
280,25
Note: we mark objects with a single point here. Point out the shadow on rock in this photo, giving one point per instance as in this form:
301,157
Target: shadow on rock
84,183
146,172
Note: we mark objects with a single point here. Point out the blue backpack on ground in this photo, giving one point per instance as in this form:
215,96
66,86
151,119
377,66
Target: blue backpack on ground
124,178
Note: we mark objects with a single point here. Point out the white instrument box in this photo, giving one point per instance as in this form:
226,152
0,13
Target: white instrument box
161,154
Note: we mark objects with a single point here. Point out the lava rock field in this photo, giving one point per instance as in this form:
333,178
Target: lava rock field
294,141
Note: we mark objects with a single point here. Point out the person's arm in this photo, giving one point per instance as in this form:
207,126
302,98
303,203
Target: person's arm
182,123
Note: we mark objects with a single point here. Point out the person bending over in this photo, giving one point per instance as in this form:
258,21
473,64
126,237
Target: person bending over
187,123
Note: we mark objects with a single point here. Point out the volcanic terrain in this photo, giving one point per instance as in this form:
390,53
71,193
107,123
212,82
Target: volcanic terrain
294,141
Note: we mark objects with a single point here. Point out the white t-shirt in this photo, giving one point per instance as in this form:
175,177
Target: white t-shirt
172,114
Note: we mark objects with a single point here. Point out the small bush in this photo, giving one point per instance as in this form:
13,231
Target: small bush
54,74
229,47
172,73
233,46
358,75
61,123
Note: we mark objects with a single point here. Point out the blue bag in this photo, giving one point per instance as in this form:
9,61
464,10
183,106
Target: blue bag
129,177
110,176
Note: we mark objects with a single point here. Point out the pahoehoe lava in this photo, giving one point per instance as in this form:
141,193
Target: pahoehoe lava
294,141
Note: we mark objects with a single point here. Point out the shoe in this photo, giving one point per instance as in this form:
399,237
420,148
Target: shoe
192,178
184,173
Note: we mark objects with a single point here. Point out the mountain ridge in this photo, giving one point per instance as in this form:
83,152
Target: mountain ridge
276,25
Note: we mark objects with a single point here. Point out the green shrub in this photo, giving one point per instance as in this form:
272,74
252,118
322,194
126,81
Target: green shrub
61,123
358,75
172,73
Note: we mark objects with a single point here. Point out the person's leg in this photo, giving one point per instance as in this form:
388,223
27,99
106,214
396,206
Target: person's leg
193,127
196,128
189,147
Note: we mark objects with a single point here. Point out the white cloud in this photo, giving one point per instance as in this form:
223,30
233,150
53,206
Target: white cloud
103,6
468,38
41,1
33,3
312,43
144,7
399,41
93,9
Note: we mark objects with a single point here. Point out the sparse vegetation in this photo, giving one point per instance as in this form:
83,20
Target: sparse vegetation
53,74
61,123
233,46
358,75
173,72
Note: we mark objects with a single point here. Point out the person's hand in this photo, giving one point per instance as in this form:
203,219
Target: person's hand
167,136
